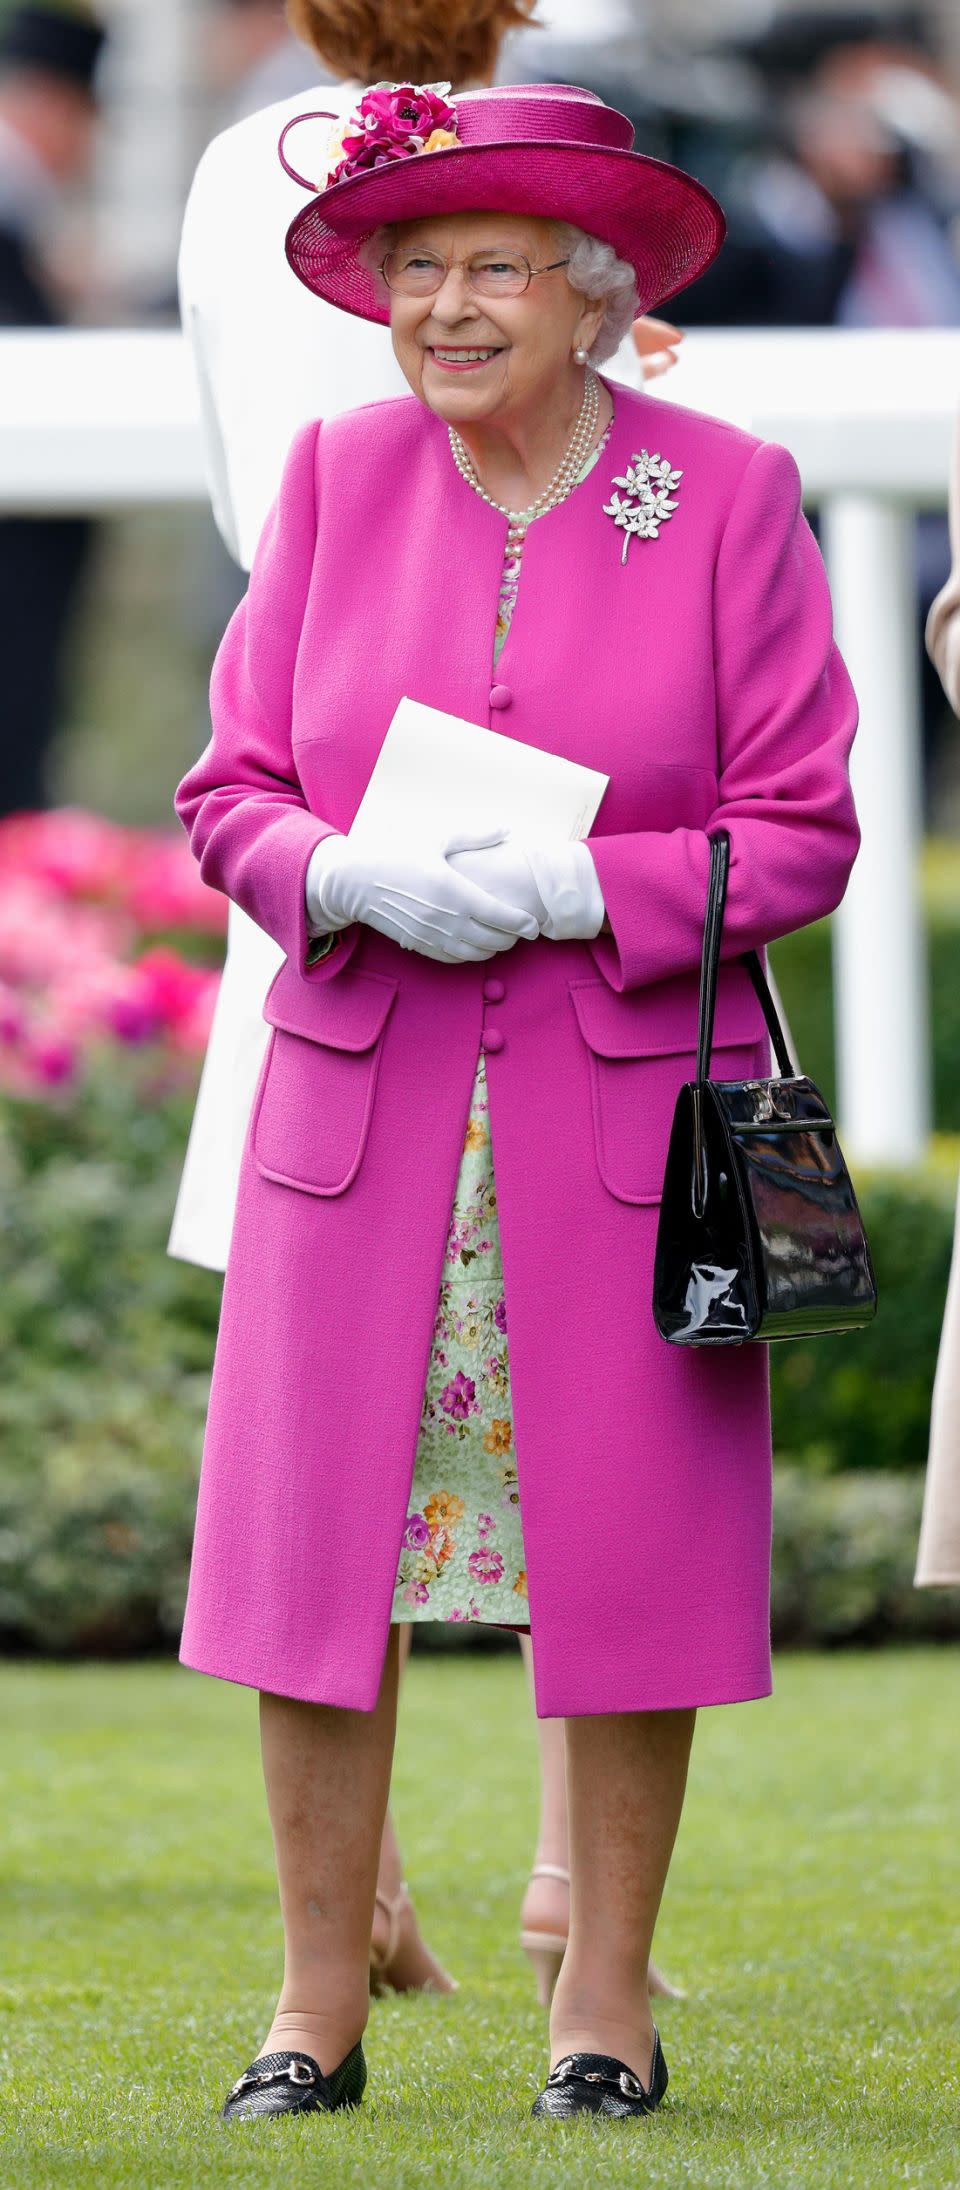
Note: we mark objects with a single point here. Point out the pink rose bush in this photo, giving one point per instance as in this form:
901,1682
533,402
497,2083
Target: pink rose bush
393,122
87,967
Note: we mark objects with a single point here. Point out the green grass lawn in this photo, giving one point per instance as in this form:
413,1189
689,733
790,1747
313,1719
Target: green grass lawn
813,1912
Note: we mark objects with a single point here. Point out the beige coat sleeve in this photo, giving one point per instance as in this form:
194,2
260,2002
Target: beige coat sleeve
943,622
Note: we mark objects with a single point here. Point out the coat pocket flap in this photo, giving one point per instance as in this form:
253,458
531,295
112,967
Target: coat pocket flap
348,1011
644,1024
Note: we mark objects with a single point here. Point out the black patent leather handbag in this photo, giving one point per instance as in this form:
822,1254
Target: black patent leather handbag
760,1235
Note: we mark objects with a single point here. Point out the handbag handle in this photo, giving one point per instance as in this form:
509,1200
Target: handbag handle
709,975
710,968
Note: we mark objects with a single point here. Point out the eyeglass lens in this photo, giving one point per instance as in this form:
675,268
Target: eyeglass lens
488,273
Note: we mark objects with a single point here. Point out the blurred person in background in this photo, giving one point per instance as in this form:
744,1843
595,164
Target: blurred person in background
48,122
268,357
254,57
842,212
938,1554
848,215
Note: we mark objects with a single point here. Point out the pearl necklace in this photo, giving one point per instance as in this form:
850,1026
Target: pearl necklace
564,479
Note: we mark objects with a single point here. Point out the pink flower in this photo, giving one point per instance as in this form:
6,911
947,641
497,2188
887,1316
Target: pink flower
459,1397
485,1566
485,1522
416,1533
13,1018
51,1060
416,1593
393,121
76,895
500,1314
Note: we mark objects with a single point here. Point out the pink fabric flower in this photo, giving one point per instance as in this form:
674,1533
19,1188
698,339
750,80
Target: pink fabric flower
485,1565
392,122
416,1593
416,1533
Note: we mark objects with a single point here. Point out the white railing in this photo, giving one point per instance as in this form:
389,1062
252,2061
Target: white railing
99,421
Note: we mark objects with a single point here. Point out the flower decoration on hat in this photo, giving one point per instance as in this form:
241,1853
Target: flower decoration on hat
648,500
392,122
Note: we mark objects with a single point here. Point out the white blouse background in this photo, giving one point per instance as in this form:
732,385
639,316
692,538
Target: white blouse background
267,357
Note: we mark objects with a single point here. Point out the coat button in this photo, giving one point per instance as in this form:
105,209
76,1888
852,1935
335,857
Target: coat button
501,696
493,989
492,1039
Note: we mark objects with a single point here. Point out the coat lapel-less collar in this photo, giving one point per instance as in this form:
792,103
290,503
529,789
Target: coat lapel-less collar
576,550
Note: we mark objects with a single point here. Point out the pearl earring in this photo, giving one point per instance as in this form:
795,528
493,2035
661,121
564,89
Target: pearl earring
581,354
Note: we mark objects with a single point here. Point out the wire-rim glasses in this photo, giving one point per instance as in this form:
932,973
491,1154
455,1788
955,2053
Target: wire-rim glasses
410,271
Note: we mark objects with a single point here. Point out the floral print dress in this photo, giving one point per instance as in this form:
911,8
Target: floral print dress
462,1554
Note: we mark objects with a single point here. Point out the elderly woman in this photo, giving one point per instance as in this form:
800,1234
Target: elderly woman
502,545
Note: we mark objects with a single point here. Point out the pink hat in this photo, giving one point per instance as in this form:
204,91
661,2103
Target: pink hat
409,150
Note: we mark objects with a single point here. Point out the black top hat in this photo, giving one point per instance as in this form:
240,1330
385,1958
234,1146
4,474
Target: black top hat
56,41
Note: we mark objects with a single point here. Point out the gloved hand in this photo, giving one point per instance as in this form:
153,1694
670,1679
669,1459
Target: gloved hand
504,869
551,877
411,892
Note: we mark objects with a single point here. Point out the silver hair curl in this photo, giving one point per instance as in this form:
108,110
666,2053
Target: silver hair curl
594,271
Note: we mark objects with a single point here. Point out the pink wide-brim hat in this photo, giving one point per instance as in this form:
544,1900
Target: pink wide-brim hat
547,149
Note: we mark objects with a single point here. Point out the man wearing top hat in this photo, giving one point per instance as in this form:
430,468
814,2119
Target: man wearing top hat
48,115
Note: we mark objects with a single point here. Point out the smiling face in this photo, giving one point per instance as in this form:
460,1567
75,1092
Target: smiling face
477,359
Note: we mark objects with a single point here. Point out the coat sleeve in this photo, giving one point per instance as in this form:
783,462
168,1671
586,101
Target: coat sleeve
943,622
242,804
786,715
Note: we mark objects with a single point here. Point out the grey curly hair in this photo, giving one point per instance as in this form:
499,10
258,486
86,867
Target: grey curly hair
594,271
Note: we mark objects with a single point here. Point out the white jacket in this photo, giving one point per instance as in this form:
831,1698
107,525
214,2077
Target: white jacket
267,356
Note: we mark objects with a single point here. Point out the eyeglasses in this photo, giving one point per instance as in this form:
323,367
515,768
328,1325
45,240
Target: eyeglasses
409,272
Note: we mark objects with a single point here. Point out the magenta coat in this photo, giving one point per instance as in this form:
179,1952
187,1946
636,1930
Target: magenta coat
703,678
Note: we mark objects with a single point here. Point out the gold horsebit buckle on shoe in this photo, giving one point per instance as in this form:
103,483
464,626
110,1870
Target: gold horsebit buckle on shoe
296,2072
626,2082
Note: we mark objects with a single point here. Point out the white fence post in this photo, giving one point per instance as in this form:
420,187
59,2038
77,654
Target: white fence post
880,974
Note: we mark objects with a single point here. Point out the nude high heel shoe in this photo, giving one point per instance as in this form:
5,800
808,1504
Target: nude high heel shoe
403,1962
546,1950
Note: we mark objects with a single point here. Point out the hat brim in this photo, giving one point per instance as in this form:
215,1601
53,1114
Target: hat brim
662,221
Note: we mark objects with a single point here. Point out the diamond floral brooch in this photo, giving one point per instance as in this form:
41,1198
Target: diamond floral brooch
649,483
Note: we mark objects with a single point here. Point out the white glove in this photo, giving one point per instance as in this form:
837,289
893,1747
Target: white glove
552,878
504,869
412,893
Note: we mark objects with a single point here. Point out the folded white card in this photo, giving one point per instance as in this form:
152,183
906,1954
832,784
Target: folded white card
438,773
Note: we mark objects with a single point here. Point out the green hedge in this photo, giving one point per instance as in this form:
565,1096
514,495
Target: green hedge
863,1400
101,1423
802,966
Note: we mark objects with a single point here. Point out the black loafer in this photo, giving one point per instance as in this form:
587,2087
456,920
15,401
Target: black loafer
292,2083
594,2083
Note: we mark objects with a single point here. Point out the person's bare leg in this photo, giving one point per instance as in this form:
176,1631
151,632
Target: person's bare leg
626,1776
399,1956
327,1775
